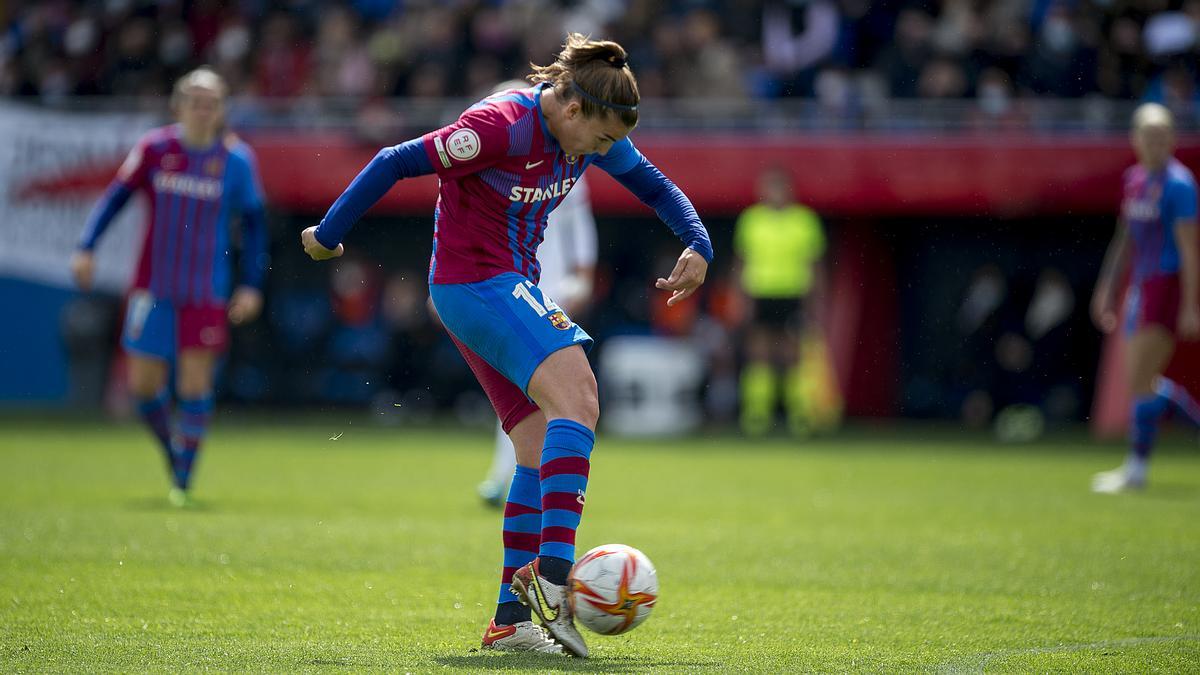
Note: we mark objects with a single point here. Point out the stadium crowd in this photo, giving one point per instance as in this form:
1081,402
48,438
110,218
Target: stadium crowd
836,51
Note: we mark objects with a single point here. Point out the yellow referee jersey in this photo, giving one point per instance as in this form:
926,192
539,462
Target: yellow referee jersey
778,248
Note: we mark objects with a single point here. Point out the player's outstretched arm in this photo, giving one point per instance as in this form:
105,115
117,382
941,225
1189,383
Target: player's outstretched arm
390,165
632,170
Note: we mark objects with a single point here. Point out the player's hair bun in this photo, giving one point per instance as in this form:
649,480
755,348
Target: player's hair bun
596,73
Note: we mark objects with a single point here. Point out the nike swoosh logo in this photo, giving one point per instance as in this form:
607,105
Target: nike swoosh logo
530,165
492,635
541,600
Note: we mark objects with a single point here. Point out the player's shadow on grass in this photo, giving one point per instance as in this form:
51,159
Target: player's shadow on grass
161,505
1170,492
610,664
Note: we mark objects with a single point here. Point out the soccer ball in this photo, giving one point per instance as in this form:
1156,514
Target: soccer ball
613,589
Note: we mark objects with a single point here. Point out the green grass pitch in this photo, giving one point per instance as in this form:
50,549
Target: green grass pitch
891,552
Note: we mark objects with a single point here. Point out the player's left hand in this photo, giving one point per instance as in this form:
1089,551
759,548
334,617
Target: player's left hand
245,305
1188,326
689,273
314,249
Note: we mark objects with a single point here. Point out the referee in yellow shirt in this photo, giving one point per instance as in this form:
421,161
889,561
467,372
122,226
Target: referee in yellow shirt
779,244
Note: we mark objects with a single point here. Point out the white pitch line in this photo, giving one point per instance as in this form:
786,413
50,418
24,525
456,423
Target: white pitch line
965,665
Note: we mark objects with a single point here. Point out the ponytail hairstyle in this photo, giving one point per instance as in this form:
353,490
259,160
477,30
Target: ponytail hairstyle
595,73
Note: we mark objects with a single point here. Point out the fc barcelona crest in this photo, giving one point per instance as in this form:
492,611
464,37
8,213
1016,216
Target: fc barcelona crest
214,166
559,319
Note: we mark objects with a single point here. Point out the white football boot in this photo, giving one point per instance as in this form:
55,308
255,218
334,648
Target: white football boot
1128,476
519,637
549,602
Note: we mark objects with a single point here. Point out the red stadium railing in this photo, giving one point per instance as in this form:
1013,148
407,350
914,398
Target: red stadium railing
872,175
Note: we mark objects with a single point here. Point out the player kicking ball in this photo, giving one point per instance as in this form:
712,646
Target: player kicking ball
1157,234
197,177
504,165
567,260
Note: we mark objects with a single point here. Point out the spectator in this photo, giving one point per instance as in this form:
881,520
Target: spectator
903,60
837,51
996,106
798,36
284,60
943,77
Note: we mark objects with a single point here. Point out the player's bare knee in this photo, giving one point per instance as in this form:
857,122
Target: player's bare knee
195,376
574,399
146,377
145,388
585,403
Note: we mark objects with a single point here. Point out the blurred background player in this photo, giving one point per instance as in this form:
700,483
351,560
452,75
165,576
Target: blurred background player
779,244
507,162
197,177
1157,233
568,259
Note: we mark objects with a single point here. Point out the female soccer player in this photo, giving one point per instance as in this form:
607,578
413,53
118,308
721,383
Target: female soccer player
197,177
568,261
1158,227
506,163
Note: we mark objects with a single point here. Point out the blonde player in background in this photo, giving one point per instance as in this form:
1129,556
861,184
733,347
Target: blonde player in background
198,178
1156,234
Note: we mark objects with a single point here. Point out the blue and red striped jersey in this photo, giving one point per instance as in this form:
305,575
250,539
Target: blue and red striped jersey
1152,205
193,193
501,173
499,164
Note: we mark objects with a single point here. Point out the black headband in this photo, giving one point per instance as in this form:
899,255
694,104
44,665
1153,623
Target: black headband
601,102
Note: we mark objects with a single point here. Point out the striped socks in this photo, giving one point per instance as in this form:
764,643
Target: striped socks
1181,402
156,413
564,476
194,415
522,532
1149,410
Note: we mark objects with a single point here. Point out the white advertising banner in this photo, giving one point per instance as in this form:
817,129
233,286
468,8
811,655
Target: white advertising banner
53,168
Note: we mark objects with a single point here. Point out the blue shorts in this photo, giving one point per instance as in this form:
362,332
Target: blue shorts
508,322
156,327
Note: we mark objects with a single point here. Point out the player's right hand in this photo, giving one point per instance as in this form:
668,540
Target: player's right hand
690,271
314,249
1104,313
83,268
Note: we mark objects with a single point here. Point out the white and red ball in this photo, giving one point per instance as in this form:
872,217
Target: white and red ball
613,589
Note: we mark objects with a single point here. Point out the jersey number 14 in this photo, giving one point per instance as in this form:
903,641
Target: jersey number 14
521,290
